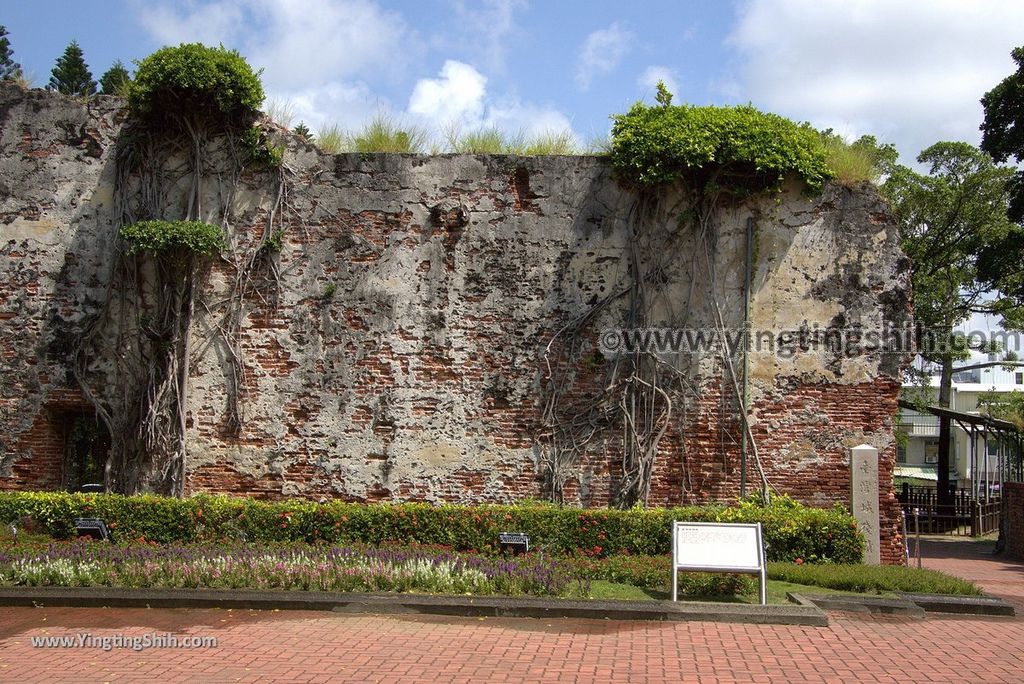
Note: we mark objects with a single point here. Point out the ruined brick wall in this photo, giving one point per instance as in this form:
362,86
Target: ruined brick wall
401,353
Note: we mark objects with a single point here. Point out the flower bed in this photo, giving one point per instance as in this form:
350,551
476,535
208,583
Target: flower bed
301,568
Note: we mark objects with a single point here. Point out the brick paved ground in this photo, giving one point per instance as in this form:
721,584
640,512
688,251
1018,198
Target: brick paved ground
974,560
306,646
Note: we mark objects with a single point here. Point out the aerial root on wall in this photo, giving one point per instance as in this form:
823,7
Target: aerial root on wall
150,308
641,394
643,397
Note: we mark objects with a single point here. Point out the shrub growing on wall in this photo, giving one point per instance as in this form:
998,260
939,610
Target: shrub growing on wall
654,145
193,82
168,238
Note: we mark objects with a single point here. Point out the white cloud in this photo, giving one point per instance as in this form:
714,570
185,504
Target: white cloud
296,44
491,23
326,59
601,52
316,41
348,105
910,72
210,24
458,99
457,96
652,74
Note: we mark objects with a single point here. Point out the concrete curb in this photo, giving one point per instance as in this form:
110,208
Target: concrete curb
912,605
858,604
964,605
464,606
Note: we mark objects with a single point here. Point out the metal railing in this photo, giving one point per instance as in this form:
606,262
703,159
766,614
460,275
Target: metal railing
985,518
964,516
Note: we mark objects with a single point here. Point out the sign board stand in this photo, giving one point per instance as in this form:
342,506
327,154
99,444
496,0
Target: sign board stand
718,547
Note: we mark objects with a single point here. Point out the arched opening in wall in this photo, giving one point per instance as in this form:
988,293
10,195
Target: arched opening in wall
86,446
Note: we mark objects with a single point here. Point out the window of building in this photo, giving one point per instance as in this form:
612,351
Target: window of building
1018,378
901,453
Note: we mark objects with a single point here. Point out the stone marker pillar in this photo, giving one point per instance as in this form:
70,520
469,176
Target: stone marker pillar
864,501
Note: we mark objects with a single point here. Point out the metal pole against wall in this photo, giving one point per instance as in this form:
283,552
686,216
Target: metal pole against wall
745,399
917,532
906,541
984,451
974,464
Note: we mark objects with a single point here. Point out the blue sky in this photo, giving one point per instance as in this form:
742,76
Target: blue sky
909,71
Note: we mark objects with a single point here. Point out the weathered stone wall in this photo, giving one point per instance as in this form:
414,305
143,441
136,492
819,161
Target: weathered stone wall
401,354
1013,524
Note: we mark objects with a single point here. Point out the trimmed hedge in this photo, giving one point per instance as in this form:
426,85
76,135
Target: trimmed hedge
791,531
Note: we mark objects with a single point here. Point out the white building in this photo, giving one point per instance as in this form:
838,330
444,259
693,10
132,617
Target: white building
976,469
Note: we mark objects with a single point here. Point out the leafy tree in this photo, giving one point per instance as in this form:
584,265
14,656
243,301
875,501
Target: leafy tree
1003,406
1003,129
663,96
948,218
71,75
1002,263
9,69
115,80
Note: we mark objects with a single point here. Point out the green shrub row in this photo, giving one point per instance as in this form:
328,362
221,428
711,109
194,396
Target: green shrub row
791,531
655,572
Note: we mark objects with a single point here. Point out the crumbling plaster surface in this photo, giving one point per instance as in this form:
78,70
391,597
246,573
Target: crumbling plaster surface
402,354
56,194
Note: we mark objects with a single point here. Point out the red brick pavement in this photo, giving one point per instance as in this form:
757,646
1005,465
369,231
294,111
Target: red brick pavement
323,647
974,560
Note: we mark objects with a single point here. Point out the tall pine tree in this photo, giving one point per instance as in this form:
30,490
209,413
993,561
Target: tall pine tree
114,80
9,69
71,76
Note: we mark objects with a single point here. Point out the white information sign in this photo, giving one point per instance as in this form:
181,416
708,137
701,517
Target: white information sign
718,547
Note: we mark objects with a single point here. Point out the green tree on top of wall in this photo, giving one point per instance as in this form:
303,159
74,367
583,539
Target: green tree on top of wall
9,69
115,80
71,75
